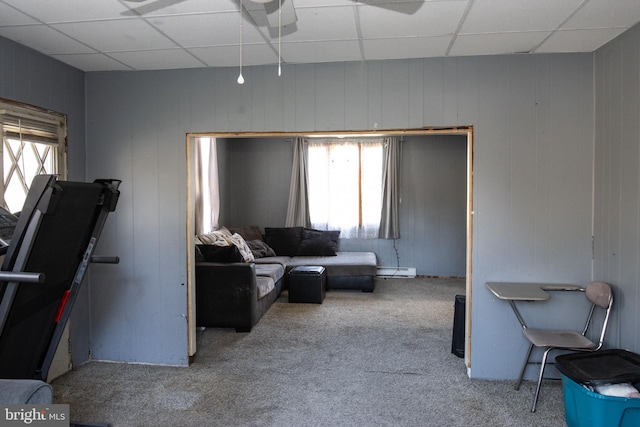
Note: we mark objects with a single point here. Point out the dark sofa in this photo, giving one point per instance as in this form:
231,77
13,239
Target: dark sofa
236,292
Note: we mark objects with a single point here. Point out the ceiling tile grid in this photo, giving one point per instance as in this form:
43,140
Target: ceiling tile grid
106,35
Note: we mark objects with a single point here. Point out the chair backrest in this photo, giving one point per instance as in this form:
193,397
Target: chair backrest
600,295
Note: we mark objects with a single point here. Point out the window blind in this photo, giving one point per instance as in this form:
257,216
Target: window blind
33,127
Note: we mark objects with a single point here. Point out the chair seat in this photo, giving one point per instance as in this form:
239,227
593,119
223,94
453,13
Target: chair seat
558,338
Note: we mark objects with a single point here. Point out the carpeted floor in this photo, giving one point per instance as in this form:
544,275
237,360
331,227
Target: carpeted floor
359,359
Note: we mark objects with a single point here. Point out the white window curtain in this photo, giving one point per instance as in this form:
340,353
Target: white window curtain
345,179
207,203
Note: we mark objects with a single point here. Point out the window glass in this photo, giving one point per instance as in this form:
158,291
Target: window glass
345,184
22,161
33,143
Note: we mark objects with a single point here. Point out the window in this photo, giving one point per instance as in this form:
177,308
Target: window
207,197
345,186
33,143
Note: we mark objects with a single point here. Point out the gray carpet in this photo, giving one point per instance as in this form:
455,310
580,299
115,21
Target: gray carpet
358,359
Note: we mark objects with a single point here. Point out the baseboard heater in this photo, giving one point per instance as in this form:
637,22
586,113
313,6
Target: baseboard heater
405,272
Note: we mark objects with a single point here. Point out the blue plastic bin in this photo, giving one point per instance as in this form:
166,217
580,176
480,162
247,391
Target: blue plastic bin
584,408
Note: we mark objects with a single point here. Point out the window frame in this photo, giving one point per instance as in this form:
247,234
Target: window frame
32,124
360,229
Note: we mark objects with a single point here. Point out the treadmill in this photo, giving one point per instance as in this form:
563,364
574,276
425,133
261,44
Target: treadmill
45,259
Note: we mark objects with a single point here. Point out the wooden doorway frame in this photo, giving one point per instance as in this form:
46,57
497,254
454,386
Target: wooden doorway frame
190,235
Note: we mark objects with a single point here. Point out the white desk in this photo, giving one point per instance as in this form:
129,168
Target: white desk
515,291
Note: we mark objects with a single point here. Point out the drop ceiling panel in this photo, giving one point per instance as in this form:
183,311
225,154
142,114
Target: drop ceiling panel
432,19
321,51
49,11
92,62
44,39
10,16
493,44
157,59
328,23
215,29
414,47
602,14
229,56
302,4
177,7
578,40
494,16
116,35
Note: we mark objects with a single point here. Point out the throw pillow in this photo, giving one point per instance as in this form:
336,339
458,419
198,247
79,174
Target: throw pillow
284,240
248,233
260,249
218,237
214,253
318,242
238,241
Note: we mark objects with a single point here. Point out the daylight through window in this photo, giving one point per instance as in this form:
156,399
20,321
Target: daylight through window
33,143
345,184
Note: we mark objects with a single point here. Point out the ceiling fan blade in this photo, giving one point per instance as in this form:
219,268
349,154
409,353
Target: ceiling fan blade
152,6
288,13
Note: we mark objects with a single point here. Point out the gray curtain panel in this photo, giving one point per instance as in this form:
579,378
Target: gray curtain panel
298,208
389,223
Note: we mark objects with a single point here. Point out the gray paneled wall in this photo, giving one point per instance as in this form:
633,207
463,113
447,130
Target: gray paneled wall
257,174
30,77
617,183
533,140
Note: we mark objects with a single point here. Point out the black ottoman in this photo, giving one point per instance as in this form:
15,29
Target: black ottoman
307,284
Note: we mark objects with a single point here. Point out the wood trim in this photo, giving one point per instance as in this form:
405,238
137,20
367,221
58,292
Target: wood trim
457,130
469,271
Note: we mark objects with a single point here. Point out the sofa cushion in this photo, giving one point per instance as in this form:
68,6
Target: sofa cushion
251,232
275,271
264,286
199,256
214,253
260,248
318,242
282,260
344,264
284,240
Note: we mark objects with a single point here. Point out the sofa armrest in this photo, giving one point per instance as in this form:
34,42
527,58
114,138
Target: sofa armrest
226,295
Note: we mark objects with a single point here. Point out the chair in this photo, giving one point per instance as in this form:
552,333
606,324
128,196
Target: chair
600,295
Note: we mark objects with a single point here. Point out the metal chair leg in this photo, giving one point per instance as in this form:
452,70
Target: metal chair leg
543,364
524,366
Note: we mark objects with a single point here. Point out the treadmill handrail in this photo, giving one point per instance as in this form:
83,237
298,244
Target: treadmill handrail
21,276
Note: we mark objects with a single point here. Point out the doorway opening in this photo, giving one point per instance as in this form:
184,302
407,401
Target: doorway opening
465,132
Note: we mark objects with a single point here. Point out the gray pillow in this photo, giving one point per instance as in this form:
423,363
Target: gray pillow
284,240
251,232
318,242
260,249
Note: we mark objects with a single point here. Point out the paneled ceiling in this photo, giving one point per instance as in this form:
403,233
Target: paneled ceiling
104,35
